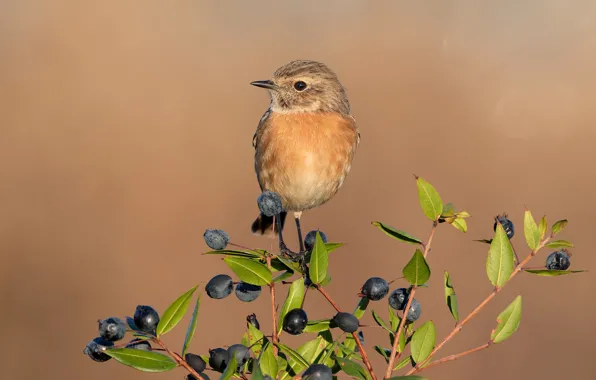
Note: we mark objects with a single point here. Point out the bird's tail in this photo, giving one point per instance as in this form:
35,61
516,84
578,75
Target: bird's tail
265,226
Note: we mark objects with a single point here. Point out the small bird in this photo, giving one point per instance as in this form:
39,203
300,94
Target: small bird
304,143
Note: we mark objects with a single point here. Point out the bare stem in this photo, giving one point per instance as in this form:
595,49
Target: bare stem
393,357
177,358
273,314
354,335
478,308
457,356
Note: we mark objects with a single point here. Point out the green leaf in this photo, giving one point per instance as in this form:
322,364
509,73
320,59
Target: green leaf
361,307
317,326
146,361
487,241
293,300
403,363
282,276
460,224
192,326
257,373
174,312
560,244
311,350
249,271
411,377
499,263
255,339
384,352
233,253
352,368
450,297
380,320
230,369
268,362
319,261
531,230
542,227
430,201
393,318
397,234
507,321
558,226
333,246
295,360
552,273
417,271
423,341
282,364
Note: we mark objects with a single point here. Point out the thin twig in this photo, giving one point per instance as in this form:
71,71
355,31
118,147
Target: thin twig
457,356
178,358
478,308
354,335
273,314
393,357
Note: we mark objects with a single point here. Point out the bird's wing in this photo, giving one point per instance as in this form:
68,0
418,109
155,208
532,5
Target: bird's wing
262,122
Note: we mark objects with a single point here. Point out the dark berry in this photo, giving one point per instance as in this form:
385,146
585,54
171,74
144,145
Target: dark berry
94,349
346,322
375,288
252,319
507,225
269,203
295,321
398,298
414,312
558,261
146,318
241,353
112,329
216,239
139,344
218,359
196,362
190,376
311,238
317,372
219,286
247,292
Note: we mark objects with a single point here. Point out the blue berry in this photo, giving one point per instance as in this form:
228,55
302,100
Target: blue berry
269,203
95,348
219,286
216,239
317,372
346,322
295,321
311,238
196,362
146,318
558,260
218,359
507,225
240,352
139,344
190,376
375,288
398,298
247,292
414,312
112,329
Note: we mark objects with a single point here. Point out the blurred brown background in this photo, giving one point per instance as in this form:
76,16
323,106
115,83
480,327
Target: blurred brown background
125,132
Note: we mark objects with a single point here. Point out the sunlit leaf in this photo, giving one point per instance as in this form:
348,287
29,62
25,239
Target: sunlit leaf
460,224
531,230
508,321
146,361
249,271
351,368
430,201
423,341
559,226
542,227
551,272
311,350
450,297
417,271
233,253
317,326
293,300
175,312
230,369
319,261
397,234
361,307
407,360
295,360
499,263
559,244
268,362
192,326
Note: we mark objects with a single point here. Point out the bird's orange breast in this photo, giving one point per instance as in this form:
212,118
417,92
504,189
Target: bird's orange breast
305,157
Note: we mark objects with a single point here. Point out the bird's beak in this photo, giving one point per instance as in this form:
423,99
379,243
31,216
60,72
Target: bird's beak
268,84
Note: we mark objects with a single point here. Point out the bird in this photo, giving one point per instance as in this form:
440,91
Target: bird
304,143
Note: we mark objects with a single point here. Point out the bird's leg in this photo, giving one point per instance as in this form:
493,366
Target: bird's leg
283,248
297,216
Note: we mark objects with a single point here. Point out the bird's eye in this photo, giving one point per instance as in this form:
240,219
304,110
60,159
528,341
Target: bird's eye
300,86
